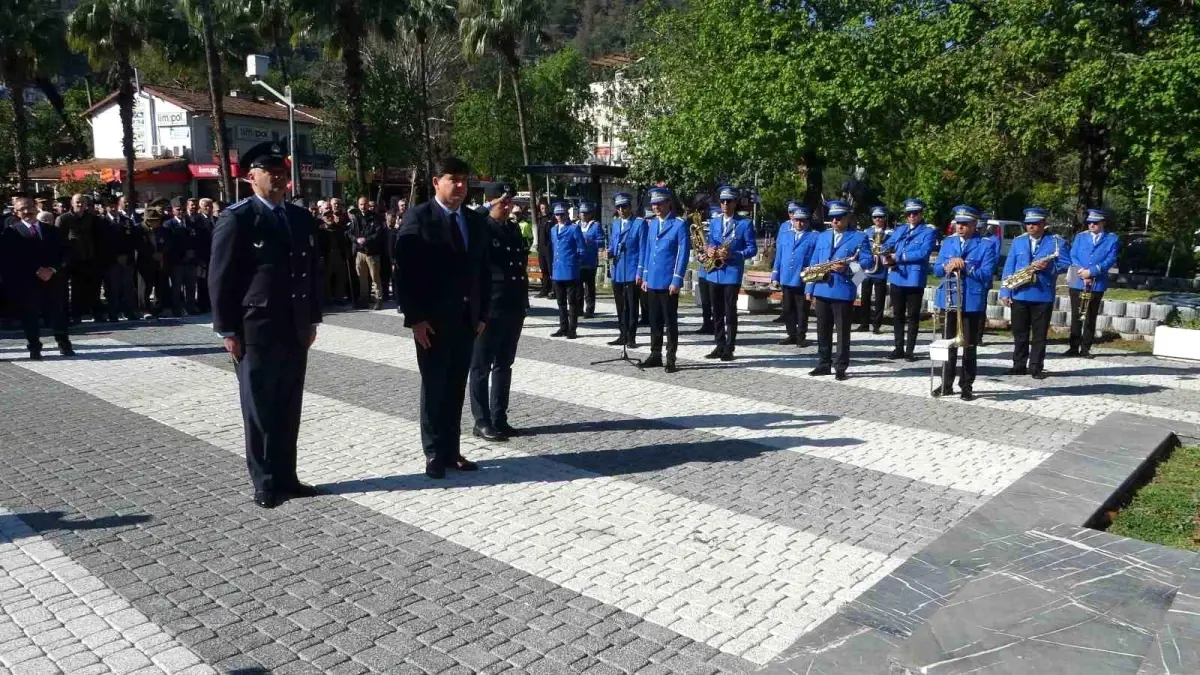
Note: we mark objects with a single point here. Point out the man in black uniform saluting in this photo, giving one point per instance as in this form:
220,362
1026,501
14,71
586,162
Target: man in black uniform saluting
443,289
264,286
496,348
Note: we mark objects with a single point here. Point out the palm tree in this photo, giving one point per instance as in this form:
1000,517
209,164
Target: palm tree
32,42
202,12
342,24
424,19
503,26
110,32
272,21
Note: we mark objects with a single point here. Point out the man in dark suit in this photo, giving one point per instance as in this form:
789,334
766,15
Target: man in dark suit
443,289
265,290
32,266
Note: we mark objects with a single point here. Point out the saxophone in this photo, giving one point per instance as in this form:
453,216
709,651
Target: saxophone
1026,275
820,271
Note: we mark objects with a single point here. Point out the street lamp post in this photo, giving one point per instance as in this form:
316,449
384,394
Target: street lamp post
256,67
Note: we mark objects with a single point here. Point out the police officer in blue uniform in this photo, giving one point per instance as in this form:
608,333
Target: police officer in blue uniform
1031,305
567,246
908,261
624,254
594,240
265,291
1093,253
496,348
730,242
664,260
967,263
874,284
834,295
794,247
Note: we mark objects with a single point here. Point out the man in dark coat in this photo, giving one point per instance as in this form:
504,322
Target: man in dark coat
265,291
496,348
31,261
443,290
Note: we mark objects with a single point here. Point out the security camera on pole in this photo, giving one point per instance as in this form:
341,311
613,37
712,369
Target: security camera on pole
256,68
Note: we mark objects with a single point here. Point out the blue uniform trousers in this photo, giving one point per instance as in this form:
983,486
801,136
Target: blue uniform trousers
569,305
626,297
1083,332
494,354
1030,323
796,310
906,316
271,387
874,291
587,277
664,317
833,314
724,314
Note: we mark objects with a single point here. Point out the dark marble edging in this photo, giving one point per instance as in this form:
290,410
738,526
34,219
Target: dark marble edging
1069,491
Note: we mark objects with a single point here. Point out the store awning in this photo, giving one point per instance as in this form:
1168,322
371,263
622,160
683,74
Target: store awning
113,170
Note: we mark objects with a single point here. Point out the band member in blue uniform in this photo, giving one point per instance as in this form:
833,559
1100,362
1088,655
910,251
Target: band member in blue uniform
833,296
593,239
266,304
496,349
908,260
704,288
966,262
1093,253
664,260
624,254
793,250
1031,304
730,244
874,284
567,245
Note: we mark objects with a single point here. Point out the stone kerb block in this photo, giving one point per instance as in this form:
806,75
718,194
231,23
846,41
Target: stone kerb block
1113,307
1058,318
993,297
1007,313
1146,326
1160,312
1103,322
1062,303
995,312
1124,324
1188,313
1137,310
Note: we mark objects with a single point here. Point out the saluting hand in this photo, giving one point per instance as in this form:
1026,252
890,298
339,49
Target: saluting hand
421,332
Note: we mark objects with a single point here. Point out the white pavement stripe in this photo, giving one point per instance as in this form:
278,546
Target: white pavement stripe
55,616
1015,397
929,456
742,585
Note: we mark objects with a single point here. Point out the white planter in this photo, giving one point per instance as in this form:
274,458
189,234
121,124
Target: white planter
752,305
1177,343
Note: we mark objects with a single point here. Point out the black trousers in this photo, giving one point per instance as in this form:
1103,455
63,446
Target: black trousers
972,329
42,301
644,301
833,314
706,304
627,297
906,316
202,301
870,311
1084,332
664,317
385,274
567,294
546,263
154,280
1030,323
84,277
120,290
796,310
724,313
493,356
587,277
444,368
271,387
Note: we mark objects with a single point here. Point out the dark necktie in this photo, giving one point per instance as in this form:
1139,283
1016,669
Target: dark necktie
281,216
456,234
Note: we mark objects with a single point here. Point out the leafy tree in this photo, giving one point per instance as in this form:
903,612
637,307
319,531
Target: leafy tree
32,44
424,20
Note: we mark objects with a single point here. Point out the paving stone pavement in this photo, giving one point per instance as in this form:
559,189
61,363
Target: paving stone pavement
697,523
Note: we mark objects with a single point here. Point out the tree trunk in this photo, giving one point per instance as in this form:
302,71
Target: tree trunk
216,93
425,112
283,69
1093,166
515,72
16,94
350,29
413,194
814,181
125,96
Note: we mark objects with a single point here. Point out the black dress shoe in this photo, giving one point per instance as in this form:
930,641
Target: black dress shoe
896,354
506,429
487,433
841,376
910,358
862,329
967,395
558,333
572,335
1086,355
616,343
266,499
653,361
942,390
705,330
818,372
464,464
802,343
632,344
303,490
778,319
435,469
716,353
1040,375
728,355
787,341
66,349
589,315
35,355
671,367
1073,351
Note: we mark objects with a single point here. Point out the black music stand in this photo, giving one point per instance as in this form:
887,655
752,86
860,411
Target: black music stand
624,357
